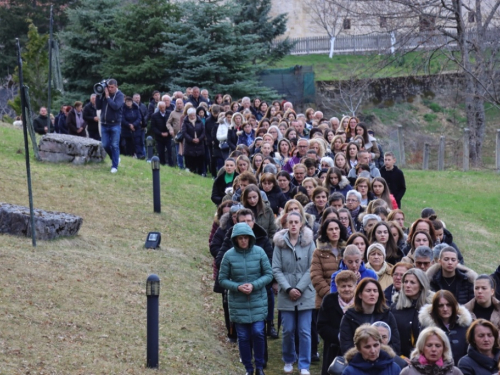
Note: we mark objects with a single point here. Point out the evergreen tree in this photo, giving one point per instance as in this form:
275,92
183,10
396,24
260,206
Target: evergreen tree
35,58
255,14
208,50
84,44
136,59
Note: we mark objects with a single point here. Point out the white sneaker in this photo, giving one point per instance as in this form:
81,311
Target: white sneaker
288,368
304,372
114,170
119,161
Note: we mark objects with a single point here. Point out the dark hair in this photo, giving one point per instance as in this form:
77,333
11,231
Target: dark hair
411,239
248,176
327,211
490,279
432,232
365,132
484,323
245,212
437,224
284,174
260,207
323,236
391,248
337,196
380,306
450,298
220,209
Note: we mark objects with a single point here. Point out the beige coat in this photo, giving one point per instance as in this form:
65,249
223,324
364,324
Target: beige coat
324,263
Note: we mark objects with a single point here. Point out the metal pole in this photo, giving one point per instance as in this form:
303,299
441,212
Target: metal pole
149,144
49,99
425,163
401,141
153,294
24,109
441,154
466,149
155,166
498,151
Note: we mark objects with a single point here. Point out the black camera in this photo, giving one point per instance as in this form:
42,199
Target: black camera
100,86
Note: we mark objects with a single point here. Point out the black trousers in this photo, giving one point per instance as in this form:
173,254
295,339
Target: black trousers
164,149
195,163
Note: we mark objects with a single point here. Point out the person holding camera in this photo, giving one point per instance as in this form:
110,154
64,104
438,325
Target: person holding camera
111,105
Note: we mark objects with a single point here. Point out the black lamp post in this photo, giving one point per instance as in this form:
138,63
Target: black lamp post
149,145
153,294
155,166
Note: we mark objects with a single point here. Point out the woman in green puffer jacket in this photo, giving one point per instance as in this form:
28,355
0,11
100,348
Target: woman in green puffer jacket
245,271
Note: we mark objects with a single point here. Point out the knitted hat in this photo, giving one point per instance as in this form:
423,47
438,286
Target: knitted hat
375,246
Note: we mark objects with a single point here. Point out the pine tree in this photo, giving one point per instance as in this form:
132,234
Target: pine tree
255,14
208,50
84,44
136,59
35,58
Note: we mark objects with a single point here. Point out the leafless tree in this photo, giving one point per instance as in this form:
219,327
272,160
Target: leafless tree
8,91
465,31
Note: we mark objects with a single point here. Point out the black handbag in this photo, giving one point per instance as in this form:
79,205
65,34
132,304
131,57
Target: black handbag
179,137
337,366
224,146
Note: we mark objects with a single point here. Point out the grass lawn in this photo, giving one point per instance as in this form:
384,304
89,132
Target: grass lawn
342,67
77,305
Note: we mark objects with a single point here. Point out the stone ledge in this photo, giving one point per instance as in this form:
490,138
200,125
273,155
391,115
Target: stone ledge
49,225
57,148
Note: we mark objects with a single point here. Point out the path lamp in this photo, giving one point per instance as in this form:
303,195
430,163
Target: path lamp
155,166
153,294
149,145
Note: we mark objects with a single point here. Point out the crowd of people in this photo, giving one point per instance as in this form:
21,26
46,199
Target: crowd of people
309,221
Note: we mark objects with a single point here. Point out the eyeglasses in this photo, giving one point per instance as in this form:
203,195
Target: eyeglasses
351,200
302,146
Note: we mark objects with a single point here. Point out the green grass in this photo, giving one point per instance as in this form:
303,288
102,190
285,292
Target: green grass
342,67
77,305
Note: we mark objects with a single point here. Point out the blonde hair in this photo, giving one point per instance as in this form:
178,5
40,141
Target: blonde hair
422,338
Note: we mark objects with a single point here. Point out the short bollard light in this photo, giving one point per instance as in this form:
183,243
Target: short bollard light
153,294
155,166
149,145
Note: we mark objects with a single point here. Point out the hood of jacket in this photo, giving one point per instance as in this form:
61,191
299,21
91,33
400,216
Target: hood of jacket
354,358
461,270
343,182
464,318
242,229
226,221
306,237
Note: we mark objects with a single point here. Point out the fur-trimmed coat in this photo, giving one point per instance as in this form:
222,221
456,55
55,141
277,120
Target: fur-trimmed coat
324,264
456,333
464,290
343,186
495,315
291,269
415,368
384,365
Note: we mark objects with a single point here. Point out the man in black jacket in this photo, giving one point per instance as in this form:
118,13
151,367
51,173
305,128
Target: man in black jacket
40,124
90,116
163,134
195,98
153,103
111,105
394,177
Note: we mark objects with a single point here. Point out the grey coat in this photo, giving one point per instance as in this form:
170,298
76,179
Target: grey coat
291,269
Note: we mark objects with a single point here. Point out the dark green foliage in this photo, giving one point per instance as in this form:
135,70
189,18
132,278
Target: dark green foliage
35,58
255,15
14,22
136,59
84,44
208,50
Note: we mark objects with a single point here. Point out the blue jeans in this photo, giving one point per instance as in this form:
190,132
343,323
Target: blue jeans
301,321
250,336
180,158
111,142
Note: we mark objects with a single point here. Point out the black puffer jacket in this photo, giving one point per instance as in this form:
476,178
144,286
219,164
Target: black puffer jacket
191,132
465,277
456,332
353,319
496,276
475,363
226,222
276,199
219,187
408,327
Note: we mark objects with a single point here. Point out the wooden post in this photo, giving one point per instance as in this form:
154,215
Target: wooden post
466,149
425,163
401,141
441,154
497,151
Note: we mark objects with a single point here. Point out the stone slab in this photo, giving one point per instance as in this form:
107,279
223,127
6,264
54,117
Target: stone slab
64,148
49,225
